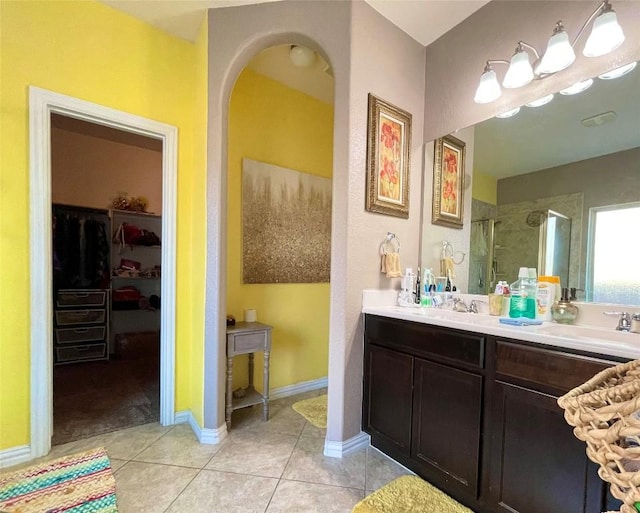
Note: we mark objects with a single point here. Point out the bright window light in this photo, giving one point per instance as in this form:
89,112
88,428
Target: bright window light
616,269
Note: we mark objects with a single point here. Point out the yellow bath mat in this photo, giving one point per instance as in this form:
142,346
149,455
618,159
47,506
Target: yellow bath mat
409,494
314,410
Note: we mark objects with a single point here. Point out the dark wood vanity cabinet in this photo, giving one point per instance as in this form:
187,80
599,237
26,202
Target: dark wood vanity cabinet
477,416
536,464
424,406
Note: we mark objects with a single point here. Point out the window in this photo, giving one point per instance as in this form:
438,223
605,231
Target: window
614,249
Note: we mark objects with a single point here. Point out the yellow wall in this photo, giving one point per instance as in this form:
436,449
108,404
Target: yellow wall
90,51
485,188
272,123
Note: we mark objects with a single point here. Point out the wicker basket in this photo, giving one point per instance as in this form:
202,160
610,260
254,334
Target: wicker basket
605,413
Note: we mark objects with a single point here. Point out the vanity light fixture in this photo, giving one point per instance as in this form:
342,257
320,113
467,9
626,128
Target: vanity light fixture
578,87
618,72
540,101
606,35
509,113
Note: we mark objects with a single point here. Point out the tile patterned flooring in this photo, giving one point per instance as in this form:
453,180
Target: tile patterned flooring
261,467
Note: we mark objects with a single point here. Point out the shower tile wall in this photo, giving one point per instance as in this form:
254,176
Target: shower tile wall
517,242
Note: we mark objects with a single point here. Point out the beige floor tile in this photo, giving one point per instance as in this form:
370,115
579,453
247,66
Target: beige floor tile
259,454
297,497
309,464
150,488
223,492
122,445
116,464
381,470
282,419
179,447
316,432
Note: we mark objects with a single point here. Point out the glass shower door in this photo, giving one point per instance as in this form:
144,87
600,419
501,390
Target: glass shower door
555,243
481,272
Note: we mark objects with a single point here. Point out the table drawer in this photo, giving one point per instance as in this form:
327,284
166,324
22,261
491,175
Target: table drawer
75,317
81,298
75,353
79,335
248,342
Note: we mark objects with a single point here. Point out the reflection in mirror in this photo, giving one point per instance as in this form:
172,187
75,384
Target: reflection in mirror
541,177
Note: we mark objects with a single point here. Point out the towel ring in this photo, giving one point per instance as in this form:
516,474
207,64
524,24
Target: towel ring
391,244
448,251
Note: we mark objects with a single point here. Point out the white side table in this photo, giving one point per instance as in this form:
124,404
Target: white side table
247,338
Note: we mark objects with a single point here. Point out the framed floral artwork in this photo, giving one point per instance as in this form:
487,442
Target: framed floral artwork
388,145
448,182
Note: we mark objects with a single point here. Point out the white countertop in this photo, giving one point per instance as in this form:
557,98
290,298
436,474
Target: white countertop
583,338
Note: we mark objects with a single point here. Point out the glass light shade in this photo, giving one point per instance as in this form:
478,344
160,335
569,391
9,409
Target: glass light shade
618,72
509,113
520,72
559,54
540,101
488,89
606,35
302,56
578,87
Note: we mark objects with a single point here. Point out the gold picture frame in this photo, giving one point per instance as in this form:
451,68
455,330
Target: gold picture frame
448,182
388,154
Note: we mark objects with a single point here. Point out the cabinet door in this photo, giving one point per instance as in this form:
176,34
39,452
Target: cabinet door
537,465
387,397
447,406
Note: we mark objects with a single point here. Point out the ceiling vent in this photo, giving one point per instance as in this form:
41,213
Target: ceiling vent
599,119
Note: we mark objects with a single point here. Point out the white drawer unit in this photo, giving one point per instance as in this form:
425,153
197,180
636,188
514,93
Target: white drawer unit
81,330
78,335
76,317
81,298
76,353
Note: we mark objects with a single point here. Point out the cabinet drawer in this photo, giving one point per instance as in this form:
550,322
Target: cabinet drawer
78,335
74,317
81,298
74,353
248,342
545,367
443,344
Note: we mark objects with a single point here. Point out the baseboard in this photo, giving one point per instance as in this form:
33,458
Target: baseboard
204,435
297,388
15,455
340,449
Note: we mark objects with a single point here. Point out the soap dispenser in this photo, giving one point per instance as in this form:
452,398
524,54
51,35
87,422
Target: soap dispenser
564,311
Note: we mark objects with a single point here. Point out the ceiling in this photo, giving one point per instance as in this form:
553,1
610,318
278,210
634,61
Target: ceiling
424,20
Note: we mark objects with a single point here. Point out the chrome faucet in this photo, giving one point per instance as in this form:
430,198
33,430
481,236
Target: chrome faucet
624,321
459,305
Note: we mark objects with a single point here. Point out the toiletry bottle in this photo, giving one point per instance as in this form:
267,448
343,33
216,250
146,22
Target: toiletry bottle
531,296
519,294
545,297
564,311
417,291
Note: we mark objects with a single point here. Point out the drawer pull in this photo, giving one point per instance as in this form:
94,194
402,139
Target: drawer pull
81,330
77,294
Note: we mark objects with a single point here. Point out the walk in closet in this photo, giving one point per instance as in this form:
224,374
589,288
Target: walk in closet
107,274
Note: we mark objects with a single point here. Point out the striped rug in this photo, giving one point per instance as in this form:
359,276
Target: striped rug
80,483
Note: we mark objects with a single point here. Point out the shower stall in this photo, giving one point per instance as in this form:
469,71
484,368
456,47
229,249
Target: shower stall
482,264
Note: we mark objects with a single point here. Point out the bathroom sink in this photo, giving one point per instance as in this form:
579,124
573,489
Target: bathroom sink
591,333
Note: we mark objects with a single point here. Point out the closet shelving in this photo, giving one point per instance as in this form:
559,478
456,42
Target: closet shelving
135,316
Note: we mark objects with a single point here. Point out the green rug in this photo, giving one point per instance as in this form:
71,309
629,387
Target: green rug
409,494
314,410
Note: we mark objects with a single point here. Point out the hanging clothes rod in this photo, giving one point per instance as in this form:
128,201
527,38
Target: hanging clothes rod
85,210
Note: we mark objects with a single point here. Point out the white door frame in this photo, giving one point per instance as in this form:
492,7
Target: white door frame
42,104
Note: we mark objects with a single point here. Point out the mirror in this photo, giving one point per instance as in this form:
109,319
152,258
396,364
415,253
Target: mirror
557,187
